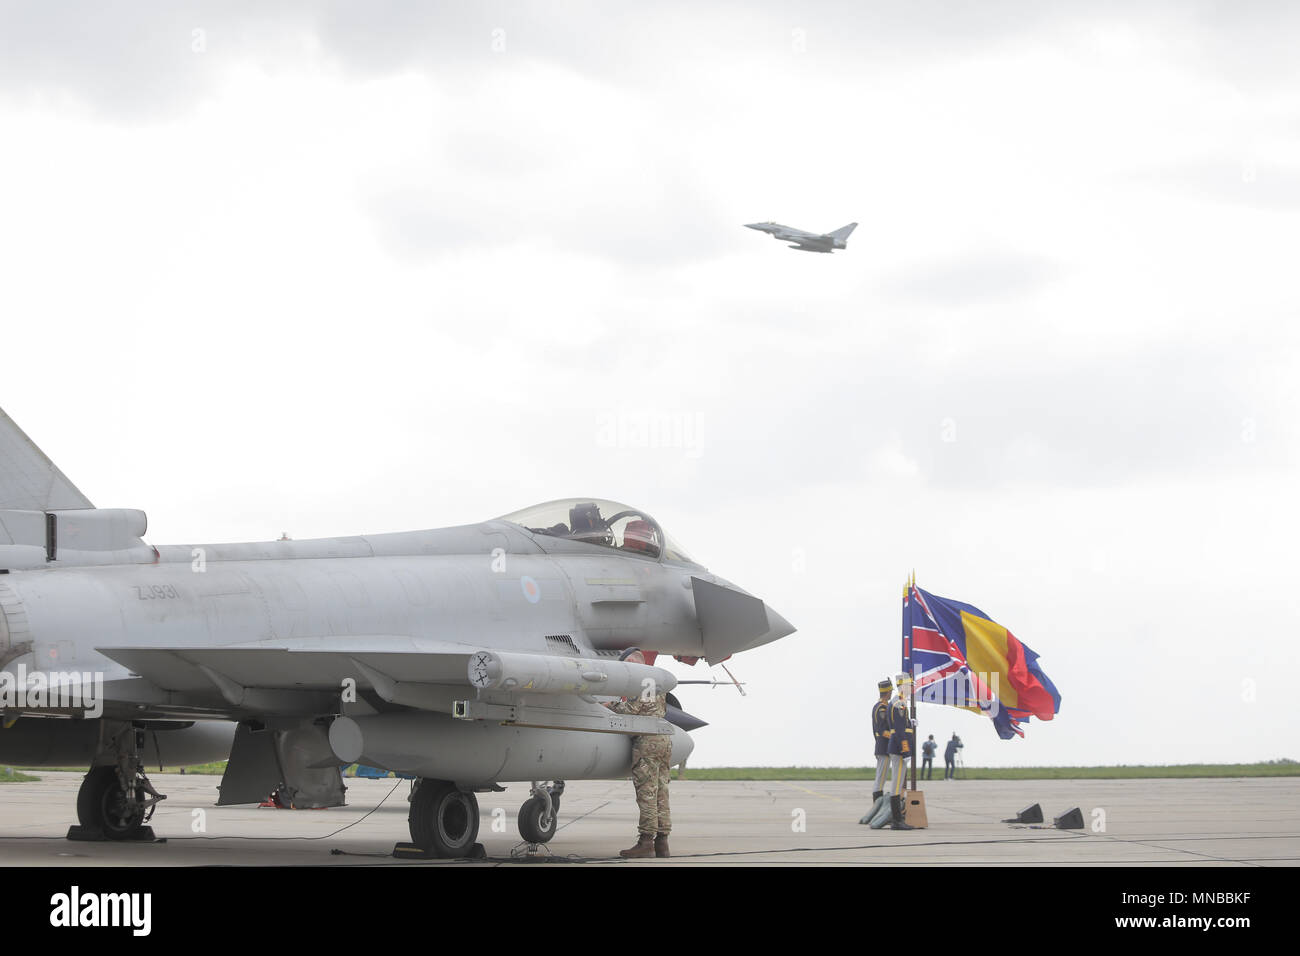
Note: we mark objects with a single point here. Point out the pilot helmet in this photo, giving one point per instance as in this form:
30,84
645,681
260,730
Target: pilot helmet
629,652
586,517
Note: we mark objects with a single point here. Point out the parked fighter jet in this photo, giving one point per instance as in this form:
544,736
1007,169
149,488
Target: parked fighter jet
465,656
806,241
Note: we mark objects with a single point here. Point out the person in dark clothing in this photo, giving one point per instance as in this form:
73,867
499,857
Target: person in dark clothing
950,757
927,757
902,744
880,730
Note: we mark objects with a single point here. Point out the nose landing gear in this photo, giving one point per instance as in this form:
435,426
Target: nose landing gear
537,816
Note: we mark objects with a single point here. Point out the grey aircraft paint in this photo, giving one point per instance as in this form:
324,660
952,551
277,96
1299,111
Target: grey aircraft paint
472,655
806,241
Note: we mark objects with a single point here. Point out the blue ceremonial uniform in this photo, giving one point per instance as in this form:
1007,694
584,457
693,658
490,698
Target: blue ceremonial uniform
902,741
880,727
902,733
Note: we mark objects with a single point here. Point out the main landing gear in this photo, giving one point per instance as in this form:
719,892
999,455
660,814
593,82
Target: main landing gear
443,819
116,800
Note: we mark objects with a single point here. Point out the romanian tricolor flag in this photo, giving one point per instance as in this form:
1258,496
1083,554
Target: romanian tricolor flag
958,655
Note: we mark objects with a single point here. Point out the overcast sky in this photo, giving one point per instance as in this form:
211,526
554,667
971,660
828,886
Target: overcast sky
346,268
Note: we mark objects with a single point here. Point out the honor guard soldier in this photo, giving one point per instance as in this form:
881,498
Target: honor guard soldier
881,729
902,744
651,756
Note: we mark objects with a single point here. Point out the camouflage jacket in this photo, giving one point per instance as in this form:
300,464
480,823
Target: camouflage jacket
635,706
659,746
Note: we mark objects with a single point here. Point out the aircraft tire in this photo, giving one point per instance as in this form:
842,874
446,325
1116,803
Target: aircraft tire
102,805
530,820
443,820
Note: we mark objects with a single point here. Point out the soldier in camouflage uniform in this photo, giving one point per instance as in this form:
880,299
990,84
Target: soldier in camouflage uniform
651,756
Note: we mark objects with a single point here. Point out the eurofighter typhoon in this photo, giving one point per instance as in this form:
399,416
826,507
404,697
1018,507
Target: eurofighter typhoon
466,657
806,241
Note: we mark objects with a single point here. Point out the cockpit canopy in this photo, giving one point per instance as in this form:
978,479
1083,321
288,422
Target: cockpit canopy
600,522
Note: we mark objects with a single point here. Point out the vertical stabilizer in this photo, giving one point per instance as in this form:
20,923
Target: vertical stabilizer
842,234
28,480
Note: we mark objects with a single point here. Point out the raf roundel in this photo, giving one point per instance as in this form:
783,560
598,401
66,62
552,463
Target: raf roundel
530,589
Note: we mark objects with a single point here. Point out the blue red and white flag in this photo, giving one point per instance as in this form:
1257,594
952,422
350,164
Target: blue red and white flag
957,655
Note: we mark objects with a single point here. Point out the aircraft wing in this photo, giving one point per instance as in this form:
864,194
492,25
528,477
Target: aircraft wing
306,676
312,664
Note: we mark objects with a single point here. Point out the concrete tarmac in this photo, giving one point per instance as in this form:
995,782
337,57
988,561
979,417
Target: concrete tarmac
1227,822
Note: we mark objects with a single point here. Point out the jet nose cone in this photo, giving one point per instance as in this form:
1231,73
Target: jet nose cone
754,225
778,627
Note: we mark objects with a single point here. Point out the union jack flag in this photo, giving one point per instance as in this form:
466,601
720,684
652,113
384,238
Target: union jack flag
1003,682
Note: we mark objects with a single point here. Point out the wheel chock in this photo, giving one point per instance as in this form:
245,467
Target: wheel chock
82,834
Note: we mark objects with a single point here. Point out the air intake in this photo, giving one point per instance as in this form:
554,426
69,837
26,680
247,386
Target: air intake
561,644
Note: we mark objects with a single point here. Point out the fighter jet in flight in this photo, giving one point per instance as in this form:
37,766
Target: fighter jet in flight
806,241
466,657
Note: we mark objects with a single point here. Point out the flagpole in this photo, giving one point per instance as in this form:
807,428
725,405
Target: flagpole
916,736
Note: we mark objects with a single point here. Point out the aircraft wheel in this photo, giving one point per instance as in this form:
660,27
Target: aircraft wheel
531,821
443,820
102,805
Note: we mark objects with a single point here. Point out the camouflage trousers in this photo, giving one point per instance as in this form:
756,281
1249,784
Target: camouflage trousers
651,756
